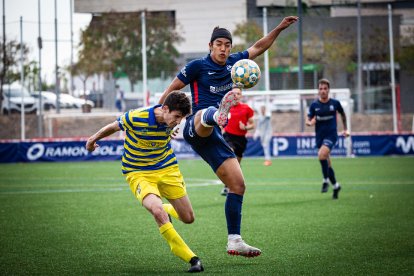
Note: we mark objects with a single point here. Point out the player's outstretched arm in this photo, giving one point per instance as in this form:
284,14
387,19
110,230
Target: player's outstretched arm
265,42
176,84
107,130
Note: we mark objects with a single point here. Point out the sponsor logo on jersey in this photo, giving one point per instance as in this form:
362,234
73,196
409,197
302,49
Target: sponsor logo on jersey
217,89
184,72
324,118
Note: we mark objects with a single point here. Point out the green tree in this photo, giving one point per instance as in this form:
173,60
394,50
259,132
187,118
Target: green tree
405,56
10,69
114,42
282,52
338,53
84,69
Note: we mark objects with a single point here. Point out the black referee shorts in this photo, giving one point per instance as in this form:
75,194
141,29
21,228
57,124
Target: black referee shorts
236,142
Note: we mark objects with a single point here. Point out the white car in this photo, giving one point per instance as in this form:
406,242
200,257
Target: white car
48,99
14,96
75,102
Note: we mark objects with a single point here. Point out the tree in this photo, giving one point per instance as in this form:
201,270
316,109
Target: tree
84,69
338,51
282,52
406,55
114,41
10,69
248,32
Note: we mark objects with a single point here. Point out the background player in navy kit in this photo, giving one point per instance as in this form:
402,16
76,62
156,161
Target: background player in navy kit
322,114
212,87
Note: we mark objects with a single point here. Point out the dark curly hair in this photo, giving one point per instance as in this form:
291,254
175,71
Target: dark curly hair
178,100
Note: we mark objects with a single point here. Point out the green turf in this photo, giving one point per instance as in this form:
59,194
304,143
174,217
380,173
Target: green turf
81,219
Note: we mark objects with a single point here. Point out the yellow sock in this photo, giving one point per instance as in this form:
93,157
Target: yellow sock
170,210
177,245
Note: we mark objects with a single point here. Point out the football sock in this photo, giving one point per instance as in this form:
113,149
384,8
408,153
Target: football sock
332,176
233,209
325,168
208,117
177,244
233,237
170,210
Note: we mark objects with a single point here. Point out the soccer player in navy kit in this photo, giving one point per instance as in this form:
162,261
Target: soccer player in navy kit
322,115
213,95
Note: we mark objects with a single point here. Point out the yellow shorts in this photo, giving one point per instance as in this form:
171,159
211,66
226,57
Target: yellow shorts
167,183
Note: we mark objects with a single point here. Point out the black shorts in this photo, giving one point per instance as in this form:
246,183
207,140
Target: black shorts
236,142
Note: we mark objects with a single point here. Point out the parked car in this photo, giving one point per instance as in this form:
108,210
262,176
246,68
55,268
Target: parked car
75,102
48,99
13,98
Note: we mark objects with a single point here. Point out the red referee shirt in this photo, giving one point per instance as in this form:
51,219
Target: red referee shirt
238,113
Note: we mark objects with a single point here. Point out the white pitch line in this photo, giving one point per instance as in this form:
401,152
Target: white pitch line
206,182
194,183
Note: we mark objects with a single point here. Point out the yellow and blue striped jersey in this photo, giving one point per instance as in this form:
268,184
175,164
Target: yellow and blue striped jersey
147,144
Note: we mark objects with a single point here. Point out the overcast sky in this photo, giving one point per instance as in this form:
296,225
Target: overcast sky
28,9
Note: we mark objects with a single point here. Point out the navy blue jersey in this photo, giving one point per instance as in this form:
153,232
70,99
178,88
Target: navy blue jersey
209,81
325,114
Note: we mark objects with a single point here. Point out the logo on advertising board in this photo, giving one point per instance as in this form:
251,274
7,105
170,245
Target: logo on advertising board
407,146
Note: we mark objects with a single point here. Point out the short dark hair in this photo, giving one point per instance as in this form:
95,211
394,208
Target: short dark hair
324,81
178,100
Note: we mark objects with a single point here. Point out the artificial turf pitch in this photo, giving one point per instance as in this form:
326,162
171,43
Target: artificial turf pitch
82,219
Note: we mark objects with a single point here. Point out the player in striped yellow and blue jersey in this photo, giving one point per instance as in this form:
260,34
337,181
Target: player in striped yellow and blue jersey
147,143
151,169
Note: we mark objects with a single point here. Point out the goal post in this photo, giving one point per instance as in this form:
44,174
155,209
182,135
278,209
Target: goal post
299,101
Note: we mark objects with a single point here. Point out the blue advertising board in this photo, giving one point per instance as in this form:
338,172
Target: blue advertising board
55,150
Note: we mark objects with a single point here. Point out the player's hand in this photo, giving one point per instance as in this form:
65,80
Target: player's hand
91,146
311,122
345,133
174,132
242,126
287,21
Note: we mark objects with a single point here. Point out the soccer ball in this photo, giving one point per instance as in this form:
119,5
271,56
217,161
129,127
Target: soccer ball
245,73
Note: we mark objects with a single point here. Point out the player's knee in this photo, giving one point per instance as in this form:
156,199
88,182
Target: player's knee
188,219
237,188
323,155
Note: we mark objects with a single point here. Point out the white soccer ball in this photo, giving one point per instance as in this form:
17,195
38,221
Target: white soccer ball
245,73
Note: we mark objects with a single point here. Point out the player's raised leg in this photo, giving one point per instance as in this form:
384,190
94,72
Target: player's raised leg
212,116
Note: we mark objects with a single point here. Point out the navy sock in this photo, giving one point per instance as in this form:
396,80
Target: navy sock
208,116
332,175
233,209
325,168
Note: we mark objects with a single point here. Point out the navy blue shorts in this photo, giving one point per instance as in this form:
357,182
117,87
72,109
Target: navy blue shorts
213,149
329,141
